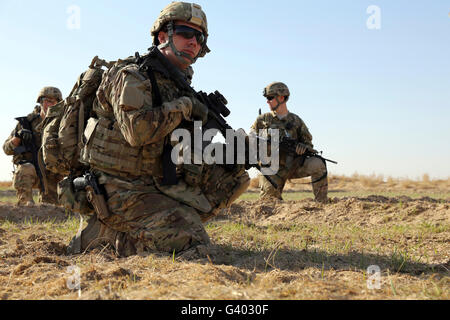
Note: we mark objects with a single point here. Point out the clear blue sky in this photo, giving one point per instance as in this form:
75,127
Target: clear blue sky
377,101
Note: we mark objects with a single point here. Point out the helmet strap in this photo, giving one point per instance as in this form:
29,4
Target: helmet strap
278,104
170,43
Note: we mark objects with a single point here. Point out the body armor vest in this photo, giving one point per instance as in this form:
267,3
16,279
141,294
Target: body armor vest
107,150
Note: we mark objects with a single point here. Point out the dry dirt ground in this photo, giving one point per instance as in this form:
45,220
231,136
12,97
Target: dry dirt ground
295,249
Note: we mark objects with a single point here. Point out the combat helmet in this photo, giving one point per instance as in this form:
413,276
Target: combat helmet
49,92
183,11
276,89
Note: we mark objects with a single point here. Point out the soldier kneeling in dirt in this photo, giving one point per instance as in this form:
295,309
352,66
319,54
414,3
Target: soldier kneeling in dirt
295,165
140,102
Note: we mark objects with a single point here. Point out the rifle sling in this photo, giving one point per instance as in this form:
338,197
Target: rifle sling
41,170
169,168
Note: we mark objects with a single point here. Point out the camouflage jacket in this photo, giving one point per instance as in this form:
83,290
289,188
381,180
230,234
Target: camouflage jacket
290,126
128,139
36,125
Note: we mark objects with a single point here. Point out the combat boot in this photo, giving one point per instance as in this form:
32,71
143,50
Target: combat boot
97,234
24,197
320,190
50,198
268,191
124,245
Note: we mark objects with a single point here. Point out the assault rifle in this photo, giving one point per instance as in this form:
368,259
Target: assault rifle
215,102
30,147
289,146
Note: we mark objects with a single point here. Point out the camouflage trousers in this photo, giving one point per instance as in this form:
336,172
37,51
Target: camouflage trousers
146,217
25,179
312,166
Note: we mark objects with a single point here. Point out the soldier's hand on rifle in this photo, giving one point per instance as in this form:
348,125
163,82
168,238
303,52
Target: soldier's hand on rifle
25,135
199,110
300,149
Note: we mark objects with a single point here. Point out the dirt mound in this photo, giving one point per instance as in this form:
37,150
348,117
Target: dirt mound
34,213
371,210
376,183
278,250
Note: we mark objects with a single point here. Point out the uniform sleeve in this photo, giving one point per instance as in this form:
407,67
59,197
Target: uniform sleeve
140,122
257,125
304,135
8,146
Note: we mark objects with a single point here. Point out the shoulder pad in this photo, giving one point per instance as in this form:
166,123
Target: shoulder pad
134,70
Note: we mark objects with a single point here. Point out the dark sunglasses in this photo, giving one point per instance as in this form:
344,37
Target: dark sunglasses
188,32
44,99
269,98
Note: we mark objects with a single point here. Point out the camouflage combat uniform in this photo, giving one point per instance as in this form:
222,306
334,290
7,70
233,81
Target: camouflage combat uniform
293,127
124,149
25,177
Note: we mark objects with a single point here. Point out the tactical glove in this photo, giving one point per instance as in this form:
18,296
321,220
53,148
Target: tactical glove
25,135
182,105
199,110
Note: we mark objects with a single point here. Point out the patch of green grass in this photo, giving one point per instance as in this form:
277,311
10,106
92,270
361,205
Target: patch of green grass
13,199
4,186
399,258
399,248
434,228
9,226
8,199
68,227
